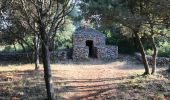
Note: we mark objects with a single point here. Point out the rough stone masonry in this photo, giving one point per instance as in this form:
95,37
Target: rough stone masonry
90,43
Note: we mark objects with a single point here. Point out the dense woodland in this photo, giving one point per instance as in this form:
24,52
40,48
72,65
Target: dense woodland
41,27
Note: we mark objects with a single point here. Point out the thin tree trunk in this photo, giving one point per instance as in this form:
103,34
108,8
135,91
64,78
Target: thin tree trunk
25,42
22,45
46,60
144,59
169,67
36,54
154,56
47,72
53,51
15,47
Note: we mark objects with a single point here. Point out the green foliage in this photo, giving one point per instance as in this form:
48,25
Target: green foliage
149,52
163,49
8,48
126,45
130,13
18,47
64,36
11,48
63,39
76,15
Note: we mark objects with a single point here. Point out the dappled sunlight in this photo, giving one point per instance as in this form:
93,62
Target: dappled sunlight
132,87
116,79
85,50
22,84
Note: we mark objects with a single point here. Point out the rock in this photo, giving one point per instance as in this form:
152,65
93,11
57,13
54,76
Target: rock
163,61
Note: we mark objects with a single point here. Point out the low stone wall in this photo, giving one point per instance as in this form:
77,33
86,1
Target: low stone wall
16,56
80,53
107,52
101,52
76,53
160,60
59,54
62,54
112,52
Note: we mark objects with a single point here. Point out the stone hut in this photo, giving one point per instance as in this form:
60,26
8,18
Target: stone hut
90,43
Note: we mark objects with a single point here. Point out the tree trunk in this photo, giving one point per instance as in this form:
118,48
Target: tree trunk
15,47
46,60
154,56
169,68
47,72
53,51
25,42
36,48
22,45
142,51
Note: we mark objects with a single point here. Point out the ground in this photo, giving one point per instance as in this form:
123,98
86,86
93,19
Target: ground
92,80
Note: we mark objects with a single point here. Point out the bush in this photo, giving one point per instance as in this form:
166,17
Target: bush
163,49
8,48
125,44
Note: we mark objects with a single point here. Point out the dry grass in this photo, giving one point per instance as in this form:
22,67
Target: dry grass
94,79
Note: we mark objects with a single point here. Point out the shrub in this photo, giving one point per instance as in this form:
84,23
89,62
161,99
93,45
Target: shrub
163,49
125,44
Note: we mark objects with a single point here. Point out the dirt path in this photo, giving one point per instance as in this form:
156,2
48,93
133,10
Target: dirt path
93,81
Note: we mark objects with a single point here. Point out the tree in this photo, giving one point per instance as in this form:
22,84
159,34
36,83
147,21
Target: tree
132,14
44,17
157,19
124,12
36,50
15,30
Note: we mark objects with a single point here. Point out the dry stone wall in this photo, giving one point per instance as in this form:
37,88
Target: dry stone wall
160,60
80,39
16,56
62,54
112,52
80,53
101,52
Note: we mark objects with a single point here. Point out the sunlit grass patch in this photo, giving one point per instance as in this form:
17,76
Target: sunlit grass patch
23,84
154,87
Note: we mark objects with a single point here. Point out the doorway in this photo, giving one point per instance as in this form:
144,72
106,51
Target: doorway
92,49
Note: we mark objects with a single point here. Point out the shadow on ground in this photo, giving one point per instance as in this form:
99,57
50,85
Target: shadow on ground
132,87
26,84
29,84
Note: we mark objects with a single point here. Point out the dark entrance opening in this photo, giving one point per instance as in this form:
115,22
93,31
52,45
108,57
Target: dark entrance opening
92,49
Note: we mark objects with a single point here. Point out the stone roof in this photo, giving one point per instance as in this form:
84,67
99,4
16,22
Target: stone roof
87,31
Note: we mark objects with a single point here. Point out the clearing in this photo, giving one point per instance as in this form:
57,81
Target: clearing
92,80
